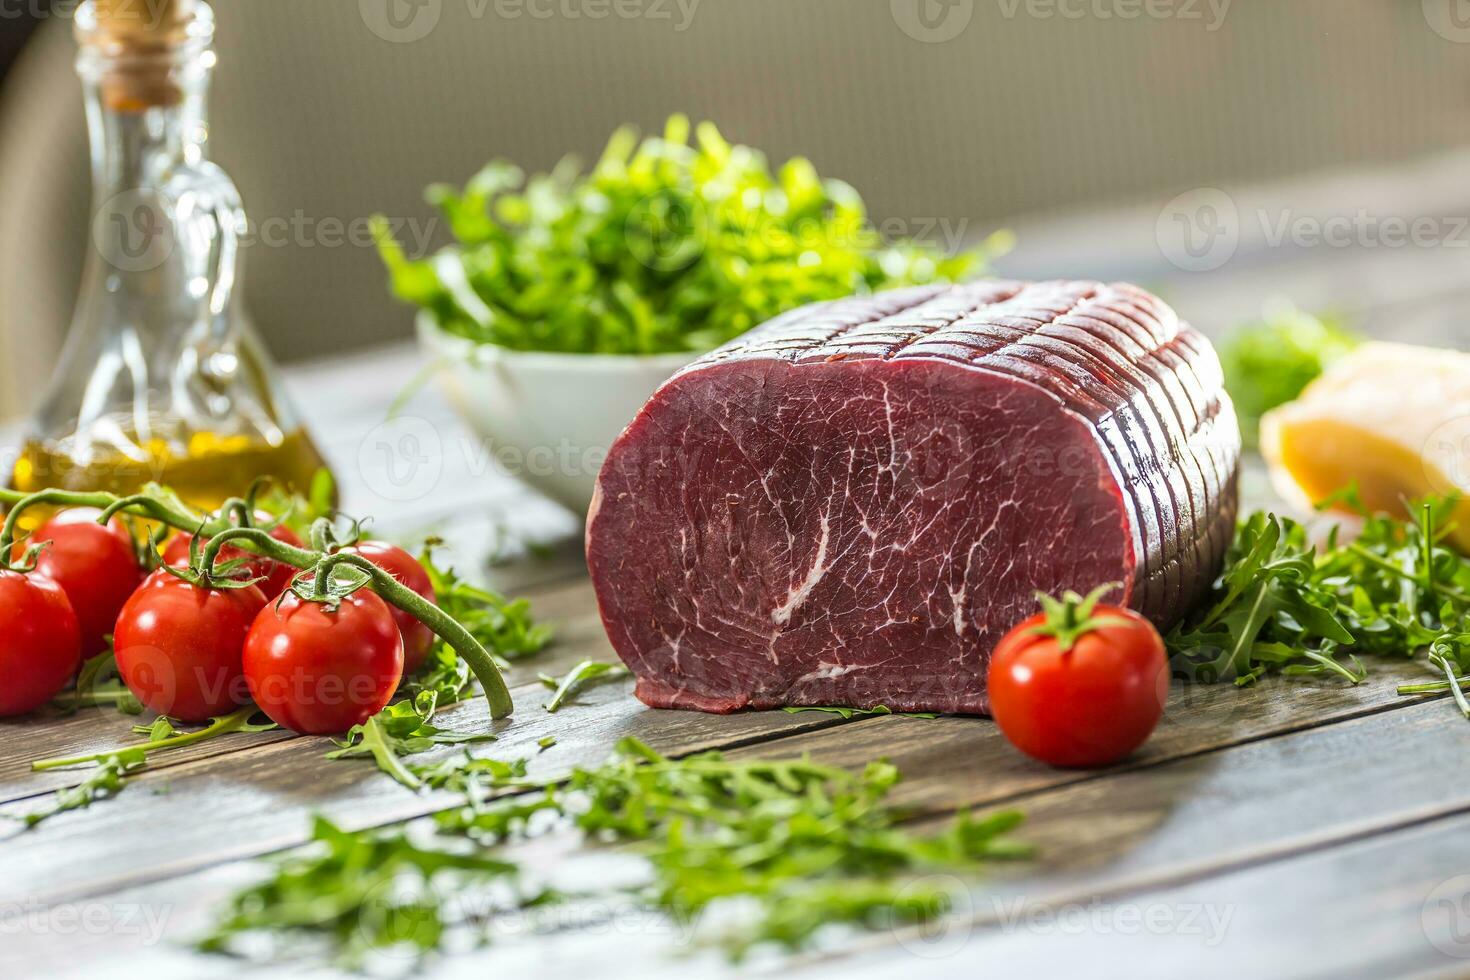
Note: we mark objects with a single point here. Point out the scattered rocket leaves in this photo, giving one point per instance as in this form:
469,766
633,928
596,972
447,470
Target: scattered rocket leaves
162,736
98,685
1282,605
356,893
104,782
801,846
663,247
587,674
503,626
403,728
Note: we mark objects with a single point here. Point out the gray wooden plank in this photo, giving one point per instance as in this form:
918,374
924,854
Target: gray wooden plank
1103,838
1383,906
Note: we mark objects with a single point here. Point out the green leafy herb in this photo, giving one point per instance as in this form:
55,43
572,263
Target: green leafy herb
547,742
474,777
503,626
163,736
1282,605
106,781
662,247
358,893
1271,362
98,685
804,846
403,728
588,673
848,714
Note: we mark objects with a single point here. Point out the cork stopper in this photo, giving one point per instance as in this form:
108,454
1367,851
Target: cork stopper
144,19
140,43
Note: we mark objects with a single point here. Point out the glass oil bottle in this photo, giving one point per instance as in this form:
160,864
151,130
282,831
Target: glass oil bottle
161,379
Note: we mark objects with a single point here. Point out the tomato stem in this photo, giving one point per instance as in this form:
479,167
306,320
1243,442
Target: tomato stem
444,625
1070,618
220,531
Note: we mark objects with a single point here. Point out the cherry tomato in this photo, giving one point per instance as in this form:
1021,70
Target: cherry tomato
96,566
274,576
1080,685
40,642
179,646
417,638
319,671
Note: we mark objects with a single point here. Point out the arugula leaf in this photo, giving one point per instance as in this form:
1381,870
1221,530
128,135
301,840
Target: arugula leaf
358,893
97,685
663,246
1282,606
801,846
104,783
503,626
163,736
402,728
588,673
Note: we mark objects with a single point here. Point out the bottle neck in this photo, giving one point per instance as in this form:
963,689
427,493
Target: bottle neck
146,92
137,149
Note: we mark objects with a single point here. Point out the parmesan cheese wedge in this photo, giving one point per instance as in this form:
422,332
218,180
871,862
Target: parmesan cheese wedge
1392,418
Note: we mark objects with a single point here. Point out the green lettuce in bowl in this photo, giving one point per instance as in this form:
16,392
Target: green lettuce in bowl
663,247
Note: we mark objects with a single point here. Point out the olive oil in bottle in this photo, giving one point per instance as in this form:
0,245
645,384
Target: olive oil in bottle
162,378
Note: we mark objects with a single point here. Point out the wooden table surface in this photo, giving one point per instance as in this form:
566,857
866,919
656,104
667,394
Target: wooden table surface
1294,828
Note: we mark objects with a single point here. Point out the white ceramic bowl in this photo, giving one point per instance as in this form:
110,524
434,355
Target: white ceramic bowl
547,418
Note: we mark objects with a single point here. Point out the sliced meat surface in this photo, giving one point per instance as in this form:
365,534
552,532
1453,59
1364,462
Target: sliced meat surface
852,504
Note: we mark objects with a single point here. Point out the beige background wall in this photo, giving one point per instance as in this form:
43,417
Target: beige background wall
322,121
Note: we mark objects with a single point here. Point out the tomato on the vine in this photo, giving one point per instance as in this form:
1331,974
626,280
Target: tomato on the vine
40,642
417,638
320,670
179,646
1079,685
95,565
274,576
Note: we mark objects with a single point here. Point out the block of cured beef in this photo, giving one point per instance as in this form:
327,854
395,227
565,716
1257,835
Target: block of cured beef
853,503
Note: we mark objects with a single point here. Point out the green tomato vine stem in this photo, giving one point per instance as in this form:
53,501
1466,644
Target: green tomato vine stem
221,532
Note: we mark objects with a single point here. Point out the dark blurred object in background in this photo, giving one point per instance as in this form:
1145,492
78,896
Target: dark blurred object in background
19,24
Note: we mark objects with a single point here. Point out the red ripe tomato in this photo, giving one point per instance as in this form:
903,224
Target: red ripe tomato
320,671
40,642
179,646
95,566
1079,685
274,576
417,638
